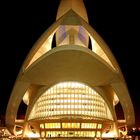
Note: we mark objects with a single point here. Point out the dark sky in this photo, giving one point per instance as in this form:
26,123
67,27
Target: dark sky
116,21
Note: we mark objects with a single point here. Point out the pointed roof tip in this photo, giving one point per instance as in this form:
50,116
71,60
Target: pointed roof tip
71,12
76,5
71,18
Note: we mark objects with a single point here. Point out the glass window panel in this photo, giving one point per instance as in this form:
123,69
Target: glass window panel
42,133
99,126
81,99
42,126
98,134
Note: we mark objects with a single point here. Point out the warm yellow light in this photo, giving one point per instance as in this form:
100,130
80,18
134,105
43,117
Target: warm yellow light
70,125
45,47
89,125
33,135
26,97
98,50
52,125
111,134
70,99
70,134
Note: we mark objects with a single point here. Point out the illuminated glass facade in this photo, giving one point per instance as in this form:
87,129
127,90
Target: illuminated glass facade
62,106
70,129
70,99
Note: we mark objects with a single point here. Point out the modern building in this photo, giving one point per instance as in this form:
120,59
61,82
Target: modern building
70,91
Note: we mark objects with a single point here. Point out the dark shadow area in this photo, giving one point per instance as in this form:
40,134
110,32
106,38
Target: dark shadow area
53,42
21,110
89,44
119,112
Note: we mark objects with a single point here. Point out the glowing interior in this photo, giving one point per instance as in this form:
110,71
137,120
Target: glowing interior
73,129
70,109
71,134
70,99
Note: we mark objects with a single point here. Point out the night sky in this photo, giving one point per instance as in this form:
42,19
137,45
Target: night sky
22,23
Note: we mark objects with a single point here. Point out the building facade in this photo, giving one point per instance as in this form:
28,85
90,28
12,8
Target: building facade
70,90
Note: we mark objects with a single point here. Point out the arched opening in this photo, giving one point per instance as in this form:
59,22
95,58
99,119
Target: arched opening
121,120
119,112
21,110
